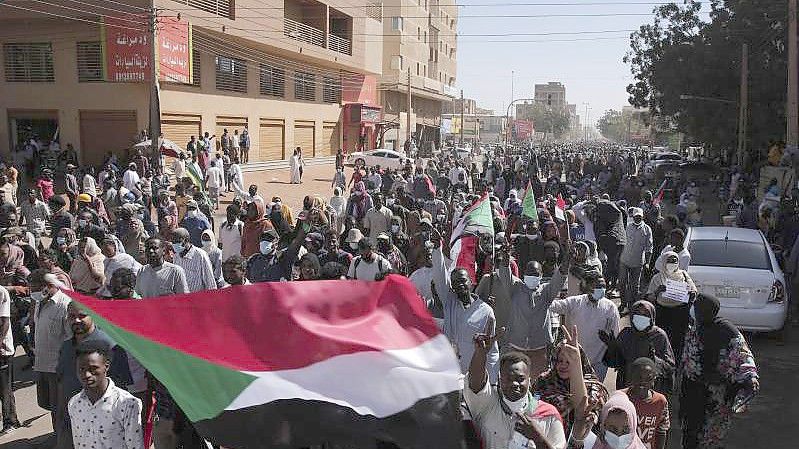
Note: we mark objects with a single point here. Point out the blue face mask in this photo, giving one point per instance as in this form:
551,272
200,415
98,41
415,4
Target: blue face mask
178,247
598,294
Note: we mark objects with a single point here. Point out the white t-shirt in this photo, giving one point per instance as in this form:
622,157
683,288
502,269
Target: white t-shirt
7,344
367,271
130,179
214,177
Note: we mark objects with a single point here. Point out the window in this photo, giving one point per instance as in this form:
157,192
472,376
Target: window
90,61
30,62
195,66
231,74
221,8
331,89
273,81
374,11
396,23
396,62
729,254
305,86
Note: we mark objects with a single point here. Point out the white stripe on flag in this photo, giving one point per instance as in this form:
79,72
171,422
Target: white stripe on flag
377,383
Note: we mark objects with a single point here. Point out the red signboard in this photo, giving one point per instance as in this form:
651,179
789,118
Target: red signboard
359,89
523,129
127,50
174,50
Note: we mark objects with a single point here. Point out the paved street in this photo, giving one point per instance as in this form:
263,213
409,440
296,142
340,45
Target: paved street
775,410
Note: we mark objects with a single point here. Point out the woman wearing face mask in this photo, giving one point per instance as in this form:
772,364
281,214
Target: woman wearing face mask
672,315
87,270
66,248
359,203
618,427
641,339
254,227
211,247
717,370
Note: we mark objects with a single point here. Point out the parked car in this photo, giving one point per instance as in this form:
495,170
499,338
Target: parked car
739,268
662,165
382,157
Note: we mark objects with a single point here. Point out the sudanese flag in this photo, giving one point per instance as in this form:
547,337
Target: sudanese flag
294,364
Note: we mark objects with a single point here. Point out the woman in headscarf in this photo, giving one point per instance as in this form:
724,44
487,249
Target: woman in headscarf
211,247
87,272
717,368
555,385
255,225
339,205
642,339
66,248
618,428
513,200
360,201
310,269
672,315
584,260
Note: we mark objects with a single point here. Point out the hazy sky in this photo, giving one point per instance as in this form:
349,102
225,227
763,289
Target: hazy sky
591,68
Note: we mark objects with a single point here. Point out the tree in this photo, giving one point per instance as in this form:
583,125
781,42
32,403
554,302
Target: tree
623,126
681,54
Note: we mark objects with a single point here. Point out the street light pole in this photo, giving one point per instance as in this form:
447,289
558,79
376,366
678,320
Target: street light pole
744,104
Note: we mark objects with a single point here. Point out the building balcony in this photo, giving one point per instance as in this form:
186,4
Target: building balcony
303,33
339,44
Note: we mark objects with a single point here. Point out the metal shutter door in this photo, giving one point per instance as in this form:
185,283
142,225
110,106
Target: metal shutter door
103,131
330,138
305,138
272,141
180,127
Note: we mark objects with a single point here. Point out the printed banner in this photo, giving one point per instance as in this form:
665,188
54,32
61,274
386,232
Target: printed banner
127,50
174,50
523,129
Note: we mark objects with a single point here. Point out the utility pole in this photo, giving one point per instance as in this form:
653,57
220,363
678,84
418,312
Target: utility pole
585,125
744,104
463,124
410,104
155,94
793,78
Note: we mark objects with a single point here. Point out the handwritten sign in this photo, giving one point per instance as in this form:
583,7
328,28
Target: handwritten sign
676,290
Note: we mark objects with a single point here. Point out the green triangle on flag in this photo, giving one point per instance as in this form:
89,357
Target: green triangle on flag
529,208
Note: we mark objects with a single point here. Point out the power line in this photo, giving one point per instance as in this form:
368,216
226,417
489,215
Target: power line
88,12
8,5
478,5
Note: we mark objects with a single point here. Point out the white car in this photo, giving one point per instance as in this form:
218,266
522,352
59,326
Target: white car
738,267
382,157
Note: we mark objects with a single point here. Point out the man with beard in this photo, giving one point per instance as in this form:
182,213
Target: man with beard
508,415
83,331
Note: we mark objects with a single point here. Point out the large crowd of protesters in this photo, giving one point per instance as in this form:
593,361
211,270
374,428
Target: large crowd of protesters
537,323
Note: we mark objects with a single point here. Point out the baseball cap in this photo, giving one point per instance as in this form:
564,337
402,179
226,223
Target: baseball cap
84,198
383,236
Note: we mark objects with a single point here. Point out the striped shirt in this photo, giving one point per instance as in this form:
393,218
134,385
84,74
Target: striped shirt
36,215
199,272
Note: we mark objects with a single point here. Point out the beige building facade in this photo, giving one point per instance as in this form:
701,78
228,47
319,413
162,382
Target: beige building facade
420,55
284,69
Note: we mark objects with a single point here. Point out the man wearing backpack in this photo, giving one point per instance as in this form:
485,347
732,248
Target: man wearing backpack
368,265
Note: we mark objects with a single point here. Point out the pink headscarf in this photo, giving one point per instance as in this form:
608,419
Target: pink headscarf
620,401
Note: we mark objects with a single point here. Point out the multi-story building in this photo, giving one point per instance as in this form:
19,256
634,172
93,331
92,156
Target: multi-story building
468,105
419,54
552,94
294,72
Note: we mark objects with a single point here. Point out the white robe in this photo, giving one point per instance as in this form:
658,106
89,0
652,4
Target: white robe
294,167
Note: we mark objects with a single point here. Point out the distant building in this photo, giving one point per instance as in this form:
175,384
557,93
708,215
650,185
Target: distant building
552,94
454,106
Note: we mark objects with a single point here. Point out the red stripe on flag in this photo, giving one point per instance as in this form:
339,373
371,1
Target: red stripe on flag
467,256
278,325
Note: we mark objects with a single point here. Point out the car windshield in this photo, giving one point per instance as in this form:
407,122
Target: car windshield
730,254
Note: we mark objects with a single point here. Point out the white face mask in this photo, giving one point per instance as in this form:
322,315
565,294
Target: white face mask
618,442
390,202
207,245
37,296
517,406
354,245
395,228
672,267
598,294
641,322
192,213
532,282
265,247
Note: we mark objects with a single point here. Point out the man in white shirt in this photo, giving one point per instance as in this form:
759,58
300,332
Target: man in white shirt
377,219
508,415
595,316
230,233
131,180
676,240
214,180
369,265
103,415
114,260
194,261
179,167
10,421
